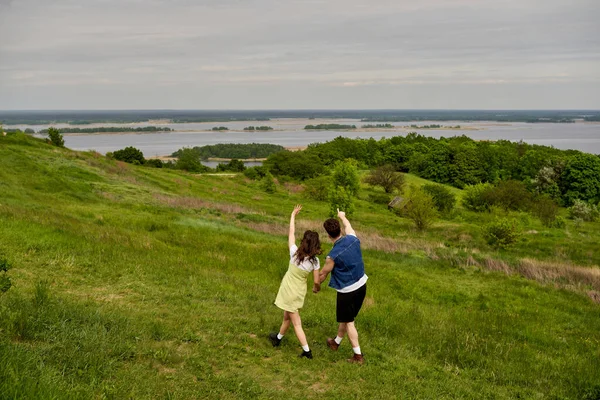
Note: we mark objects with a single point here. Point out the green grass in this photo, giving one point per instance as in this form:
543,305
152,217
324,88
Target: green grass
132,282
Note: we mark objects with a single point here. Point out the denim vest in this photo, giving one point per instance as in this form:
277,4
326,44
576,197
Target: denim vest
348,262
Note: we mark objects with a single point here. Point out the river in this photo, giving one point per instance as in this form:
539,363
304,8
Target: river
584,136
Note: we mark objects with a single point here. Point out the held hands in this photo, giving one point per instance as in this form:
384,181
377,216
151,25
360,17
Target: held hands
297,209
316,287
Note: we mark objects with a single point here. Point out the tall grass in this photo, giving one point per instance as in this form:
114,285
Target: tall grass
138,283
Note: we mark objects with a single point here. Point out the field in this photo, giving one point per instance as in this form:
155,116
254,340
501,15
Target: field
132,282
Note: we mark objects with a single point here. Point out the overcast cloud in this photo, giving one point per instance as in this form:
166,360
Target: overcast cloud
253,54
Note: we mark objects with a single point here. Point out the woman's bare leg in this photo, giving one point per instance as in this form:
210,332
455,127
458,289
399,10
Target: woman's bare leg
285,324
295,317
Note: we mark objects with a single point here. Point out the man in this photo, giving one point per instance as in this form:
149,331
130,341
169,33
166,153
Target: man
345,262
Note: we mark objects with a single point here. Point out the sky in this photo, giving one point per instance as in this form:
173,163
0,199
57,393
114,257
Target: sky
299,54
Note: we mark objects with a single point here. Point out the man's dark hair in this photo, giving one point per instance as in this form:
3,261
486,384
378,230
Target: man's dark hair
332,226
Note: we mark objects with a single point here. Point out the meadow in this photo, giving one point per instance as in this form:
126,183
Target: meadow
143,283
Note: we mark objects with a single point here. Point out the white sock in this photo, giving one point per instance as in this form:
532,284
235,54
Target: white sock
356,350
305,348
338,339
279,336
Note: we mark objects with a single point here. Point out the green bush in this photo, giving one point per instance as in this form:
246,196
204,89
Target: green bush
318,188
233,165
510,195
379,198
154,163
475,197
546,210
55,137
502,232
129,155
419,207
584,211
443,198
255,173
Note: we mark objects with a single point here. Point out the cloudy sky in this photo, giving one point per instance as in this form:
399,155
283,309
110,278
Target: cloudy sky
293,54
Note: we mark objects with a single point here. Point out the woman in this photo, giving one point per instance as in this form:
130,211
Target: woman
290,298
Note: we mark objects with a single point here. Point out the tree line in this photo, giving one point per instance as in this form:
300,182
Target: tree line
563,175
234,150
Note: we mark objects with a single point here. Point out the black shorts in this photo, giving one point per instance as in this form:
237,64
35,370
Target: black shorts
348,304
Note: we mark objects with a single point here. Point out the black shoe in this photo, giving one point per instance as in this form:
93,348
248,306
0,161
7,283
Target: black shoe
307,354
276,342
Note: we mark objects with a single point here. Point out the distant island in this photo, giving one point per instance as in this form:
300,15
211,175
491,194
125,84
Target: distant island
258,128
377,126
329,126
220,128
110,129
434,126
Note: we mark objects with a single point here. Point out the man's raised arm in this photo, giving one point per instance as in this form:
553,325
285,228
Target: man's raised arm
347,227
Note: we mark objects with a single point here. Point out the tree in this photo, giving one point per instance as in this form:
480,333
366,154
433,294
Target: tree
419,207
387,177
345,175
580,179
189,160
129,155
268,183
340,198
55,137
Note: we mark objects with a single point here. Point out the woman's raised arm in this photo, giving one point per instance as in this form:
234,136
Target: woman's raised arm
292,233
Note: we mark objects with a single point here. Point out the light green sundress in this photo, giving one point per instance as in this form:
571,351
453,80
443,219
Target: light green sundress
293,285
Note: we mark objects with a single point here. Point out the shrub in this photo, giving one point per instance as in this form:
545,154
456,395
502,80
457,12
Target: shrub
268,183
443,198
387,177
154,163
510,195
502,232
419,207
340,198
255,173
233,165
583,211
55,137
546,210
475,197
318,188
5,282
379,198
345,174
129,155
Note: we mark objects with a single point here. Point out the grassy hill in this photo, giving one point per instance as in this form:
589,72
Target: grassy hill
131,282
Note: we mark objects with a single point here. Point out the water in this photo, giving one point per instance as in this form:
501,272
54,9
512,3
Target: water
289,133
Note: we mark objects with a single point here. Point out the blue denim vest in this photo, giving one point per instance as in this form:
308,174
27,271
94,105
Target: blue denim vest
348,262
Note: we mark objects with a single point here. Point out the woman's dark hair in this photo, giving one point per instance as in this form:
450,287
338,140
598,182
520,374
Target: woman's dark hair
332,226
309,248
